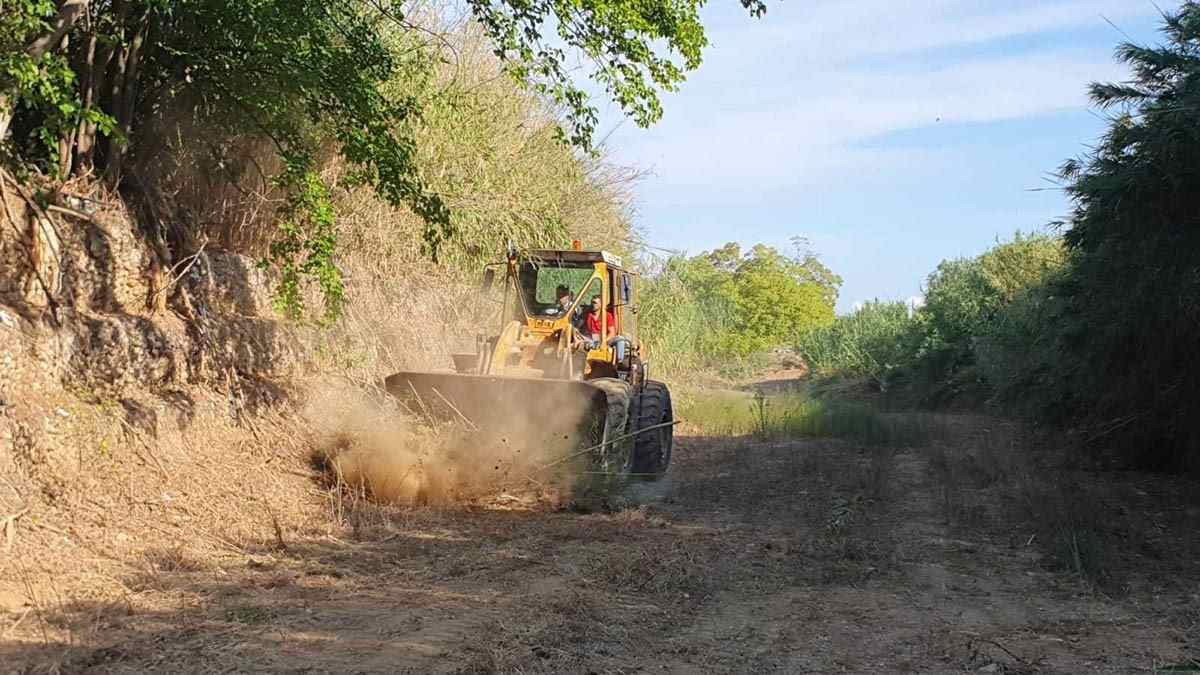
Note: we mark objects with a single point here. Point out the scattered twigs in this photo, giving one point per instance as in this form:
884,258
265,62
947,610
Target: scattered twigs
976,640
190,262
421,402
455,409
17,623
611,440
1008,651
10,528
1114,426
149,451
68,211
277,527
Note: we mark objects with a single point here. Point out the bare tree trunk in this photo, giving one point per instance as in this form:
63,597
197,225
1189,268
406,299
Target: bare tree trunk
85,135
125,114
66,144
69,12
116,99
6,114
124,94
108,75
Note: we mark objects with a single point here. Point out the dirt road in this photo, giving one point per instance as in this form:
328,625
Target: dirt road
784,556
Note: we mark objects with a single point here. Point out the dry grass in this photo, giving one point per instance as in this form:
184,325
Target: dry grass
112,512
486,147
1109,531
761,553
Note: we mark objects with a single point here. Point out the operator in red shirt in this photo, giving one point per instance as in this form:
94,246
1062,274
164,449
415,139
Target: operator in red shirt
593,321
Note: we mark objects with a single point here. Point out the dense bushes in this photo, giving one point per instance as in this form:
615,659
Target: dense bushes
725,308
974,310
1108,346
967,300
1127,327
876,341
1100,333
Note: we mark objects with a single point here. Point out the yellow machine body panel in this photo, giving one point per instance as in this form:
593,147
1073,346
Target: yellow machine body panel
540,339
543,376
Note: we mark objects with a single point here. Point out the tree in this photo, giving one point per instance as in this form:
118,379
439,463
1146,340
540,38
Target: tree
1128,332
621,39
78,79
964,297
758,299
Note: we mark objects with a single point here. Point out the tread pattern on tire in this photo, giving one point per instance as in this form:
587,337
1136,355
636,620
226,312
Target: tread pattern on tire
615,423
652,450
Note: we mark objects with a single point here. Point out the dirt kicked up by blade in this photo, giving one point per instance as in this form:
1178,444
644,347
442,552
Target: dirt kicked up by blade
563,376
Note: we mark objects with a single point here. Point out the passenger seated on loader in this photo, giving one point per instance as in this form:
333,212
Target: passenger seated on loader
592,329
618,344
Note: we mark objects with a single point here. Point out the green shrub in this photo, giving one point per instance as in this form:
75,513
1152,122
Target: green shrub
875,342
1018,355
974,308
798,415
724,309
1126,334
964,298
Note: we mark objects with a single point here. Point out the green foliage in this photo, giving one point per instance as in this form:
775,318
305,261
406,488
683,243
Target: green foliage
983,311
675,327
726,305
40,82
798,415
1018,356
877,341
83,75
1125,319
634,48
303,73
1100,334
774,299
306,242
964,297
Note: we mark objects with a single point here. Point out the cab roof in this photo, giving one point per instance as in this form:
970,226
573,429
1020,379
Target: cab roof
560,256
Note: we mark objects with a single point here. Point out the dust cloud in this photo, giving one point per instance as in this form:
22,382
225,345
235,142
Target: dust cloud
368,442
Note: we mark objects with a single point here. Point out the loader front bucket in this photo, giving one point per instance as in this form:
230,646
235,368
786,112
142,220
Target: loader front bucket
518,411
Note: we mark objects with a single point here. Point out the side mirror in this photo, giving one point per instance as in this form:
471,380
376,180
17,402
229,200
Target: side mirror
626,289
489,278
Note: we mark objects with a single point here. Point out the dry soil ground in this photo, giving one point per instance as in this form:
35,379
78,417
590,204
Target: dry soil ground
790,556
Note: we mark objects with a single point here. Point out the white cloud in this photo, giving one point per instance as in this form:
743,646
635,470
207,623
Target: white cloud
800,95
820,123
791,118
834,31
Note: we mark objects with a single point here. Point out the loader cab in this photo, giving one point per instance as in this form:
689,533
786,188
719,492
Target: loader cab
541,283
546,319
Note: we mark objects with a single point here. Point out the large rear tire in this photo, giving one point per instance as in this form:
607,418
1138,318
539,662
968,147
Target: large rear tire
652,448
613,460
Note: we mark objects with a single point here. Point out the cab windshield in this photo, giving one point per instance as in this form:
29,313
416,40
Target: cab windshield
551,288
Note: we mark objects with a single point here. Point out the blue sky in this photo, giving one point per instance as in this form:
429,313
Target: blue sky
890,134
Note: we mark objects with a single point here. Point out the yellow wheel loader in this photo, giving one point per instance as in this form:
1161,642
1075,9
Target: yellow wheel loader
563,368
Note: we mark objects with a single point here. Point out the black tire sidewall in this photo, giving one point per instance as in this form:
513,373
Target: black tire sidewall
652,449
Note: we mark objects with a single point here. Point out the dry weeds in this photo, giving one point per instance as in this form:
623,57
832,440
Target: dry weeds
765,556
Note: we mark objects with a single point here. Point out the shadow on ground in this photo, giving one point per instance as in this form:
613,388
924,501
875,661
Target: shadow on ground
813,556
